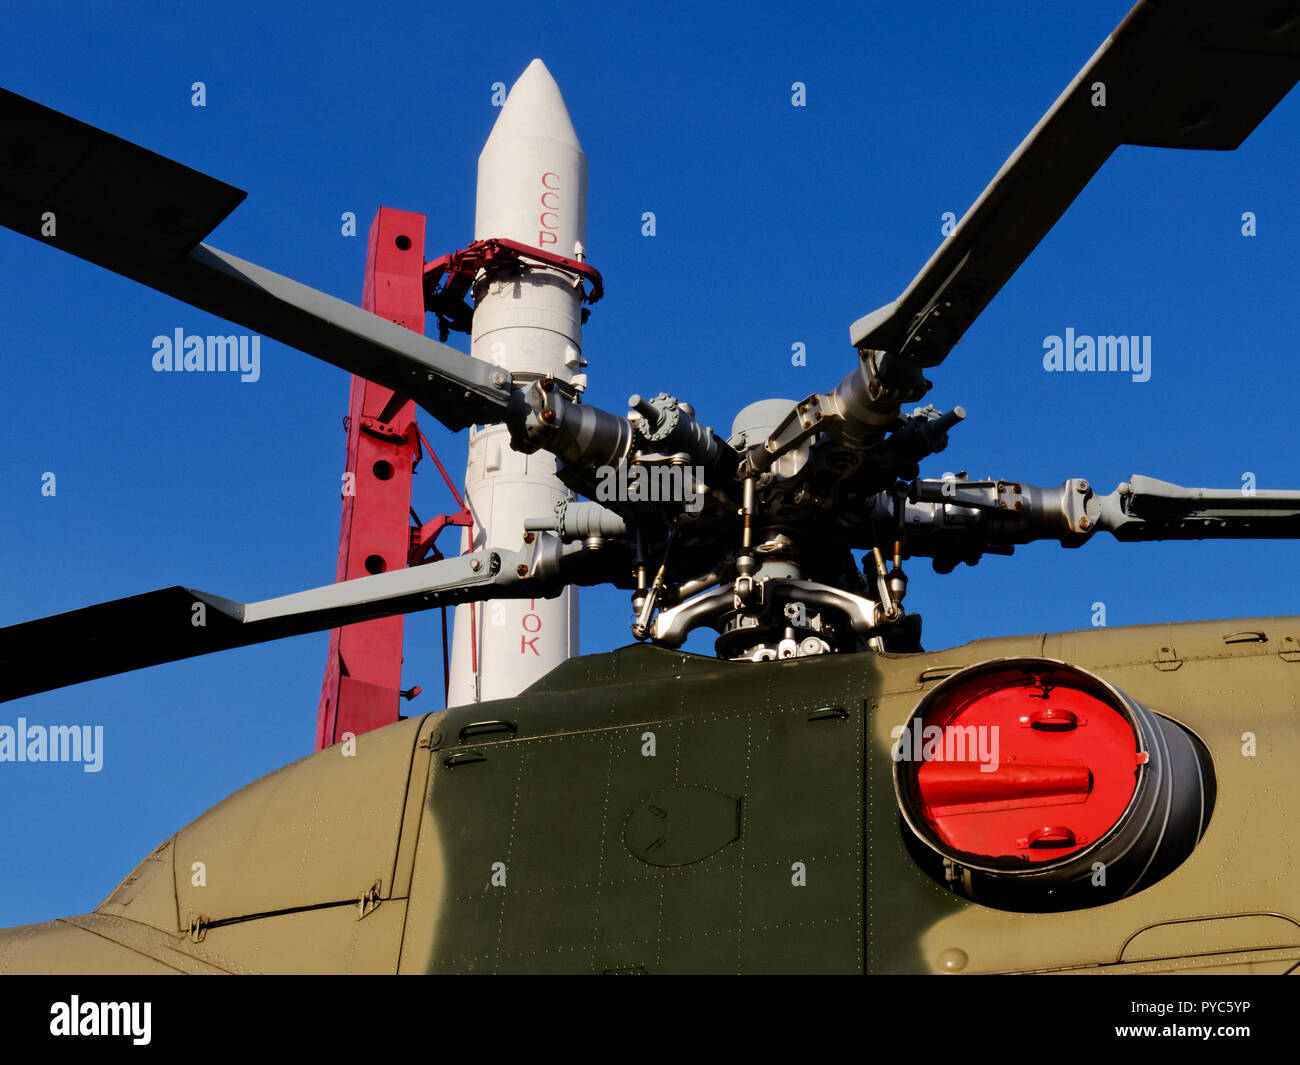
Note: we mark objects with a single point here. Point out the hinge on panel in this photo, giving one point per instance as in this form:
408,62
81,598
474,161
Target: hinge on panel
1167,658
956,877
381,429
198,929
1290,649
431,741
368,902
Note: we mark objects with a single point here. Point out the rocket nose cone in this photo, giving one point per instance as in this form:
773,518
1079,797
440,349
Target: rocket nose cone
535,108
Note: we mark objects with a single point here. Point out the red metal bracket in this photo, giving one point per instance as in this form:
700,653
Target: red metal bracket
362,683
424,533
448,281
363,674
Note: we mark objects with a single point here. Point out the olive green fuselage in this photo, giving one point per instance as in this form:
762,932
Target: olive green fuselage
647,810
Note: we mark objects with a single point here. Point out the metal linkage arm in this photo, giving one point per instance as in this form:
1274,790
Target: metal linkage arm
953,520
860,411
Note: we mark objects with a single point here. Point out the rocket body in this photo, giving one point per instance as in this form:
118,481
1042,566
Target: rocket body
532,188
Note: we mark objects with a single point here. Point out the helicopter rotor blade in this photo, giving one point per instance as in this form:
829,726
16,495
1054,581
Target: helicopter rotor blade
178,622
955,520
143,216
1144,508
1174,74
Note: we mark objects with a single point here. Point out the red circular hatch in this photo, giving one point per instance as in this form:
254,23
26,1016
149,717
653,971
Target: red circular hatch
1016,765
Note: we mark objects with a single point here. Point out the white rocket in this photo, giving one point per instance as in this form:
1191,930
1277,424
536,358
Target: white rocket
532,188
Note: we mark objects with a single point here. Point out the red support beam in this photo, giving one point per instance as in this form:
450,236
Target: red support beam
363,675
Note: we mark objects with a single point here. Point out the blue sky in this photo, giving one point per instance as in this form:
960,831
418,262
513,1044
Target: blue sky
776,225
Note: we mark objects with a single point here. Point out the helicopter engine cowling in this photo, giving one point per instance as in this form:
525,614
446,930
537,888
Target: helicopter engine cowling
1030,784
